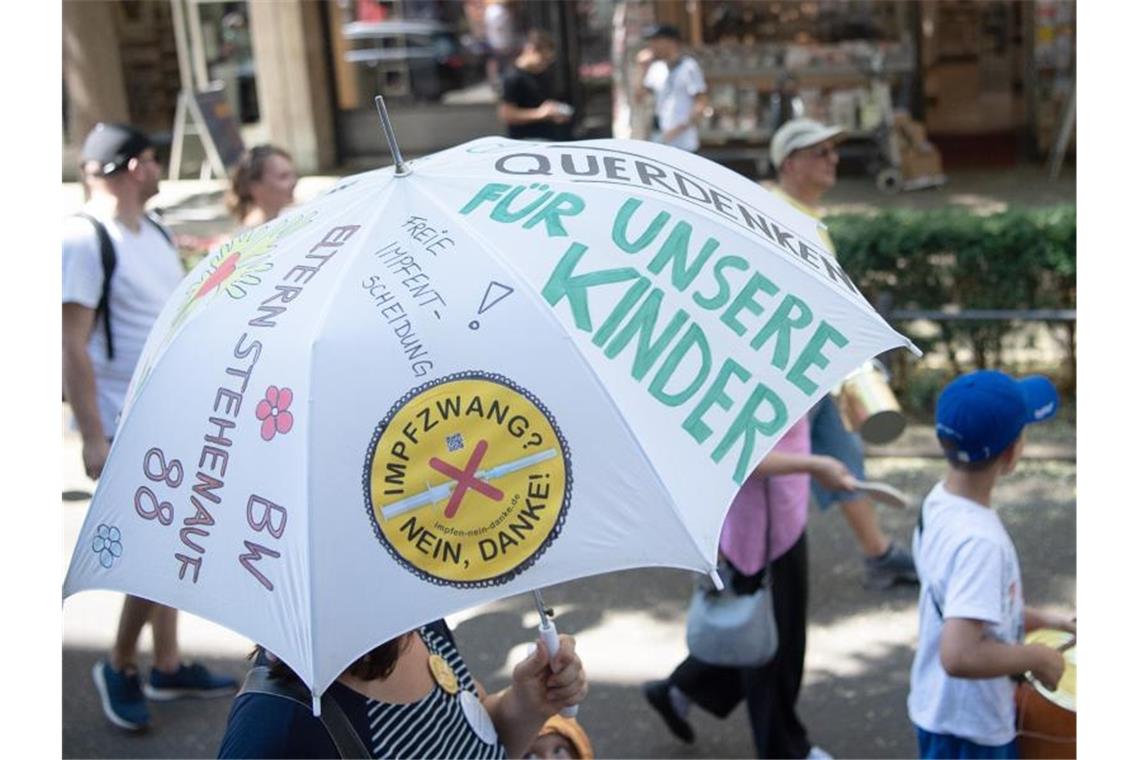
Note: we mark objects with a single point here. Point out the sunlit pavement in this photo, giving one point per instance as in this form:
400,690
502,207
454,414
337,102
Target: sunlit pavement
630,628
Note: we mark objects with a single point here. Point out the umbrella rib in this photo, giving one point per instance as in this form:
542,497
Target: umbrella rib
317,326
529,293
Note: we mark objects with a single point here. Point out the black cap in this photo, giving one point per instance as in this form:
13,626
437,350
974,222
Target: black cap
668,31
113,145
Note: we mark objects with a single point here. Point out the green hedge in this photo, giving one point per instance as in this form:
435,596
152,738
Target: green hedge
935,260
932,259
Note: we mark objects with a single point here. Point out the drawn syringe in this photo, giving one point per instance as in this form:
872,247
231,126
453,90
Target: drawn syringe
443,490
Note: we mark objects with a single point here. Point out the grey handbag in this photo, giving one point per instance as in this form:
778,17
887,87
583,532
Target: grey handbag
730,629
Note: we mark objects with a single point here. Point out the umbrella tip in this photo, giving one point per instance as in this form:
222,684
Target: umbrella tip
316,706
714,576
402,169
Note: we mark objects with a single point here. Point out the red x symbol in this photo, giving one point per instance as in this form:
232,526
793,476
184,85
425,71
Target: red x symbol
465,479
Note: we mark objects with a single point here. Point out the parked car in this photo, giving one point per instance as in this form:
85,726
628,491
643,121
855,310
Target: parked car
435,58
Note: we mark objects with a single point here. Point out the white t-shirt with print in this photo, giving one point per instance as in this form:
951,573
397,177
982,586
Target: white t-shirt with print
147,270
675,90
967,562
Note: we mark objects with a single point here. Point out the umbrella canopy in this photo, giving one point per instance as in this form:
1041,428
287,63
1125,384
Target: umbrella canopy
517,365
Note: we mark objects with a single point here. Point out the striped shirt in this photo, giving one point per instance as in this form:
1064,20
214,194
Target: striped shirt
440,725
437,726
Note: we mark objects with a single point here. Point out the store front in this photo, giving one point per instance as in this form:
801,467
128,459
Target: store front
991,81
304,74
437,65
997,77
138,76
225,54
988,79
847,63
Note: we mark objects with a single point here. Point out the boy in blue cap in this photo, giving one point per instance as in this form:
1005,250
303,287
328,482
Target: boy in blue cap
972,618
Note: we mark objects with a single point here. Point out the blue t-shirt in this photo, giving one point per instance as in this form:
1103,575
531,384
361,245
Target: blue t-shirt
439,725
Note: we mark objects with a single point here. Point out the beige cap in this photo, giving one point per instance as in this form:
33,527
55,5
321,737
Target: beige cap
797,134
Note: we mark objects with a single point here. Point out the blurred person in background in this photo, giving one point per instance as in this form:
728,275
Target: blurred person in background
119,267
500,29
261,185
764,538
527,108
678,86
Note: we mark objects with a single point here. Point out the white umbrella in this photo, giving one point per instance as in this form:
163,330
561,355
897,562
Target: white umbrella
496,368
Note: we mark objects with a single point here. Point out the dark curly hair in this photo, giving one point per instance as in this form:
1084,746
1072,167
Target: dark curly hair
377,663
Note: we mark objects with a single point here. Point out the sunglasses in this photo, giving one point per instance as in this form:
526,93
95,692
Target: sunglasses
821,151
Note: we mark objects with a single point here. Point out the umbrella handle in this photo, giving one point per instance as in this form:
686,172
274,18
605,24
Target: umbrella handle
549,635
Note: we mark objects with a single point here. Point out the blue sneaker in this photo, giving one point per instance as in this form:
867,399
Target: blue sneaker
121,695
192,680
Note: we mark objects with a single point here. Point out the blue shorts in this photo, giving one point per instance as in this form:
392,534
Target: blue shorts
830,437
949,746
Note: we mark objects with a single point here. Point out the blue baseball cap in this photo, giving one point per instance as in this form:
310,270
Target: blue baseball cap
979,415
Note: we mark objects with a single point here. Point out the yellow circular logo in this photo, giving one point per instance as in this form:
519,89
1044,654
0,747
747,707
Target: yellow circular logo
467,480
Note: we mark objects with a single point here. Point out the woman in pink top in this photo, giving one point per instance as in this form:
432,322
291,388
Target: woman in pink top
777,488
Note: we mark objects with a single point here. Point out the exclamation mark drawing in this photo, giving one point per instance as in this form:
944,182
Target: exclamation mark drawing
496,292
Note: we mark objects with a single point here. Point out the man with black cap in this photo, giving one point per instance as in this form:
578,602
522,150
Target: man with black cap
678,86
119,267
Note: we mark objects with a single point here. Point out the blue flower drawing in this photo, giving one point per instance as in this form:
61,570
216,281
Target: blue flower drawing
107,544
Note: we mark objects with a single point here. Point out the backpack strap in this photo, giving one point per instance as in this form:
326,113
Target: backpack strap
336,723
937,606
108,258
160,227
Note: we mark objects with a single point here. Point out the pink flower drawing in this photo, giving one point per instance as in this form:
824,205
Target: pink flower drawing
273,411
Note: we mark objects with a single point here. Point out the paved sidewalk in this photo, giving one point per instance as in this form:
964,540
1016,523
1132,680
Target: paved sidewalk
630,628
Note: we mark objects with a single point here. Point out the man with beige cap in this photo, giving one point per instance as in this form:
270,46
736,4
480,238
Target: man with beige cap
804,153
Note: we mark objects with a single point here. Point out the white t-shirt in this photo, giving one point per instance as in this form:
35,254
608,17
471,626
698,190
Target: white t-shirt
674,90
147,270
499,28
967,562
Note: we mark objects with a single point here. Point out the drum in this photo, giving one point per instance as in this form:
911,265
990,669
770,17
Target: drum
1047,720
868,405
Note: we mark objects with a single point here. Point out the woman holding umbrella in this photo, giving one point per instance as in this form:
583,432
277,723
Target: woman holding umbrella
409,697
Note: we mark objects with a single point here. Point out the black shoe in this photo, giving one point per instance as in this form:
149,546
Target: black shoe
657,693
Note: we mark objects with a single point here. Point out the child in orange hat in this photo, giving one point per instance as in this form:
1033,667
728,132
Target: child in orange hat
561,738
